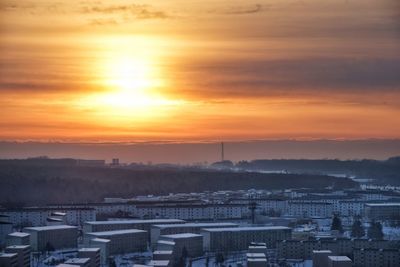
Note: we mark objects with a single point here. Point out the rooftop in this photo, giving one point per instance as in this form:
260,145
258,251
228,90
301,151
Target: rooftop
78,260
117,232
200,225
339,258
182,235
19,234
89,249
155,221
50,227
244,229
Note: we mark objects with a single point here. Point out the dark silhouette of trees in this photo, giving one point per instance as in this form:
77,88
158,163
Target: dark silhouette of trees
375,230
357,229
337,224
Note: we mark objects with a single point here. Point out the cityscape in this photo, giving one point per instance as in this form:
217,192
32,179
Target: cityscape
212,133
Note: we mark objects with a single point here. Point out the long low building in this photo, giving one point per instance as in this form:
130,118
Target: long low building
52,237
382,211
239,238
194,228
121,241
101,226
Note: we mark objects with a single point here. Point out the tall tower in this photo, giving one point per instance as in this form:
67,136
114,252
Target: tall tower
222,152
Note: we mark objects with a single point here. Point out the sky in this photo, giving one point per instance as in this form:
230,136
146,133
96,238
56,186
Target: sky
199,71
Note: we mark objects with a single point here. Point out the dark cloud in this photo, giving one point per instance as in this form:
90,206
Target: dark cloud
138,11
244,10
264,77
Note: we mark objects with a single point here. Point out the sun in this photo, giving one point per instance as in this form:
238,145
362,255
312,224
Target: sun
131,80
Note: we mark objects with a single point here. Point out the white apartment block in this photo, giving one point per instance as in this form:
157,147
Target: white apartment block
239,238
55,237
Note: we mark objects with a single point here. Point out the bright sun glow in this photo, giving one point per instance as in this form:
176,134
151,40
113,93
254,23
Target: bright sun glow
133,80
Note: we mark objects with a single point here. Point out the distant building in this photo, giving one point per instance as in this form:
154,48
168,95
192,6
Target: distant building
81,262
28,217
8,259
162,255
121,241
339,261
382,211
376,257
236,239
192,243
104,246
92,253
5,229
195,228
52,237
115,162
18,239
320,257
23,254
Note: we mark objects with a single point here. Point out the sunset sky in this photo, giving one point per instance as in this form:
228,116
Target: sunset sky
199,70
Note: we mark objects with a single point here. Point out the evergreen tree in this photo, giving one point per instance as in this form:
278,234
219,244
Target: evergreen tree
219,258
375,230
337,224
357,229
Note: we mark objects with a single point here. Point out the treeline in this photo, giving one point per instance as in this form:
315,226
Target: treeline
55,183
386,171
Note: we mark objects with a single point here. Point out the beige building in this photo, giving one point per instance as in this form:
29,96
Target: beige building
239,238
52,237
121,241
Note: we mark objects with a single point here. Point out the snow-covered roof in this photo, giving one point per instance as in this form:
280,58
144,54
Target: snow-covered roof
89,249
51,227
339,258
117,232
181,235
101,240
154,221
18,234
244,229
383,204
77,261
200,225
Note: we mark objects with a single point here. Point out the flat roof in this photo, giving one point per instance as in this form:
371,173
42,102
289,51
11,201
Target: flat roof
50,227
162,252
117,232
18,246
172,243
159,263
78,260
257,259
200,225
155,221
383,204
255,255
339,258
182,235
89,249
7,255
244,229
18,234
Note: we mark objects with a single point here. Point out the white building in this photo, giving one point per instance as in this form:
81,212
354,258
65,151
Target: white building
52,237
121,241
237,239
168,229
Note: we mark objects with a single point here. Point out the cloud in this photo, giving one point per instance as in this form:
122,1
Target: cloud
244,10
138,11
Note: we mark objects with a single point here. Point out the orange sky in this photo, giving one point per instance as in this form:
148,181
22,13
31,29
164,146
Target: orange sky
199,70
